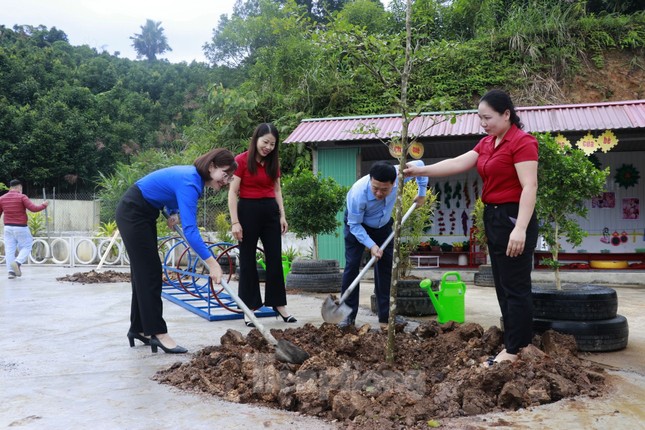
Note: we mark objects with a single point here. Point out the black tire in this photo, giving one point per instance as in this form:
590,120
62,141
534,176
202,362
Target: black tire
314,266
591,336
409,306
574,302
484,277
315,282
411,288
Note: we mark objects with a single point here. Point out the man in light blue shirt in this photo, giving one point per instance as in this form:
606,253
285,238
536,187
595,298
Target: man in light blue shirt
368,223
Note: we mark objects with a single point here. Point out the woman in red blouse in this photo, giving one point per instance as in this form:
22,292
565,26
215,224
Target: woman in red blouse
257,212
507,161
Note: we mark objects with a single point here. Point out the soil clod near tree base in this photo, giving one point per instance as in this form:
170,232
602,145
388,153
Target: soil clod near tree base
94,277
437,374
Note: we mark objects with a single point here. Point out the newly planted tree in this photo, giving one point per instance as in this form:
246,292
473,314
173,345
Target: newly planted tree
390,60
567,179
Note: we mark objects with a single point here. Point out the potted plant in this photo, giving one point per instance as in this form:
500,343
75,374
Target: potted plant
311,204
567,179
435,246
457,246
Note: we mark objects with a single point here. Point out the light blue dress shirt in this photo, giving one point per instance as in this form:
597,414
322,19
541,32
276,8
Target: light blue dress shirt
364,208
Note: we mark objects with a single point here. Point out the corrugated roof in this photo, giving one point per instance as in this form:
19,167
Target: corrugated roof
561,118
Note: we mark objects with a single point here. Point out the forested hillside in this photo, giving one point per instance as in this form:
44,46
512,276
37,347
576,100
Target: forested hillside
70,114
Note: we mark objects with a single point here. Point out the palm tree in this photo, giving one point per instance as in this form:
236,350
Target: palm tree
151,41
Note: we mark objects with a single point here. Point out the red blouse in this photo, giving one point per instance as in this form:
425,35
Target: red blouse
496,166
256,186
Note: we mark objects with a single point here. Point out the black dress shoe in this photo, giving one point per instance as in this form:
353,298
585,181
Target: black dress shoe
134,335
154,343
287,319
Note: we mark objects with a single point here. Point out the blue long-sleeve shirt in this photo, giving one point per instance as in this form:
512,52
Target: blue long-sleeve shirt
177,188
364,208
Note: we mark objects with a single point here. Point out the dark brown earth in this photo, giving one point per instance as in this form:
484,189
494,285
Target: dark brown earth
437,374
94,277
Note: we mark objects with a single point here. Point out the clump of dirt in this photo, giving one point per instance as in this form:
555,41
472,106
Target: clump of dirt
94,277
437,374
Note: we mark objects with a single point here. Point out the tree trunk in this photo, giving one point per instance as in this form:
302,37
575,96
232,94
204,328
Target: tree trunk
405,76
555,252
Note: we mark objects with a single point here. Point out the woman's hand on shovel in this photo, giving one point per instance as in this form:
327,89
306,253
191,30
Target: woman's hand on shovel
214,270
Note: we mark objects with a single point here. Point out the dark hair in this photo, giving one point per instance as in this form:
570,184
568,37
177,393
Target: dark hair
272,161
383,172
14,183
500,101
219,157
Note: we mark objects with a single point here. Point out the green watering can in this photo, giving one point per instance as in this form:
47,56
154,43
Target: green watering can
449,300
286,265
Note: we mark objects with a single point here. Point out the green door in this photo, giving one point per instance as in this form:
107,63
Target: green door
340,164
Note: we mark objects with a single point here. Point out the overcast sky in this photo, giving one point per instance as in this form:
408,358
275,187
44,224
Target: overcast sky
107,25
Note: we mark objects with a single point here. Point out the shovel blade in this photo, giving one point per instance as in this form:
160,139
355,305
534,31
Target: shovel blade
332,312
287,352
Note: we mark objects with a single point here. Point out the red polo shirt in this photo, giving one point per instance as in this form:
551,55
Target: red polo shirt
496,166
256,186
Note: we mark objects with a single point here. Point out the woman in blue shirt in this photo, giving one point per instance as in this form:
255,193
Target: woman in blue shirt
177,190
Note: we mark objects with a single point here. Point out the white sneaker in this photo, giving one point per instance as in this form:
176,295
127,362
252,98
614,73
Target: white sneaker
16,268
11,275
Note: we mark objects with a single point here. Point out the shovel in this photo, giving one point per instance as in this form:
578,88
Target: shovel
285,351
334,311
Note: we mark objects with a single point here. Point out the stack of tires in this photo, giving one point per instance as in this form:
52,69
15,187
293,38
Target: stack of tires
411,300
316,276
588,312
484,276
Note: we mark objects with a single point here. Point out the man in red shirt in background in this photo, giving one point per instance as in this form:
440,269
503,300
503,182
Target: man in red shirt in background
14,206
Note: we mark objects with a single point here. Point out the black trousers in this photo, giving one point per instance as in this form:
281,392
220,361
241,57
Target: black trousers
260,220
137,222
382,269
512,275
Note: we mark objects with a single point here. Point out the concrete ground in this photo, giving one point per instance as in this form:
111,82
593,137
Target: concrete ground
65,363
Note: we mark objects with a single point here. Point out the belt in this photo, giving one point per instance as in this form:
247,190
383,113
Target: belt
500,205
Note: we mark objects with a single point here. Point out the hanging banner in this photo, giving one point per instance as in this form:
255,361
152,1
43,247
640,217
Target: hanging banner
606,141
587,144
563,141
416,150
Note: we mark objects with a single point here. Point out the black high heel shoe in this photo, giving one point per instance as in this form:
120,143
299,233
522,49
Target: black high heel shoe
154,343
287,319
134,335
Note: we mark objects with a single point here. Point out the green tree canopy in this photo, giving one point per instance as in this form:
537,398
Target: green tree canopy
151,41
311,204
567,178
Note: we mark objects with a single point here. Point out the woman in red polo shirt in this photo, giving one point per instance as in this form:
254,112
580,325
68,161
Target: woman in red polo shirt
257,212
507,161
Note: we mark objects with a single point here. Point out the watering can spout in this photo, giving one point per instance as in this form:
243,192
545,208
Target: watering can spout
426,284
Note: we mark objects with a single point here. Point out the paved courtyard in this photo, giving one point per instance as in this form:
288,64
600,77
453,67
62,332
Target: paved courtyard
65,363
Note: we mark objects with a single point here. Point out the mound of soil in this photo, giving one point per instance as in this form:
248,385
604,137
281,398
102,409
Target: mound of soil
437,374
94,277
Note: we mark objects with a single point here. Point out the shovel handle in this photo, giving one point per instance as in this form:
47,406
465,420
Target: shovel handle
248,312
369,264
